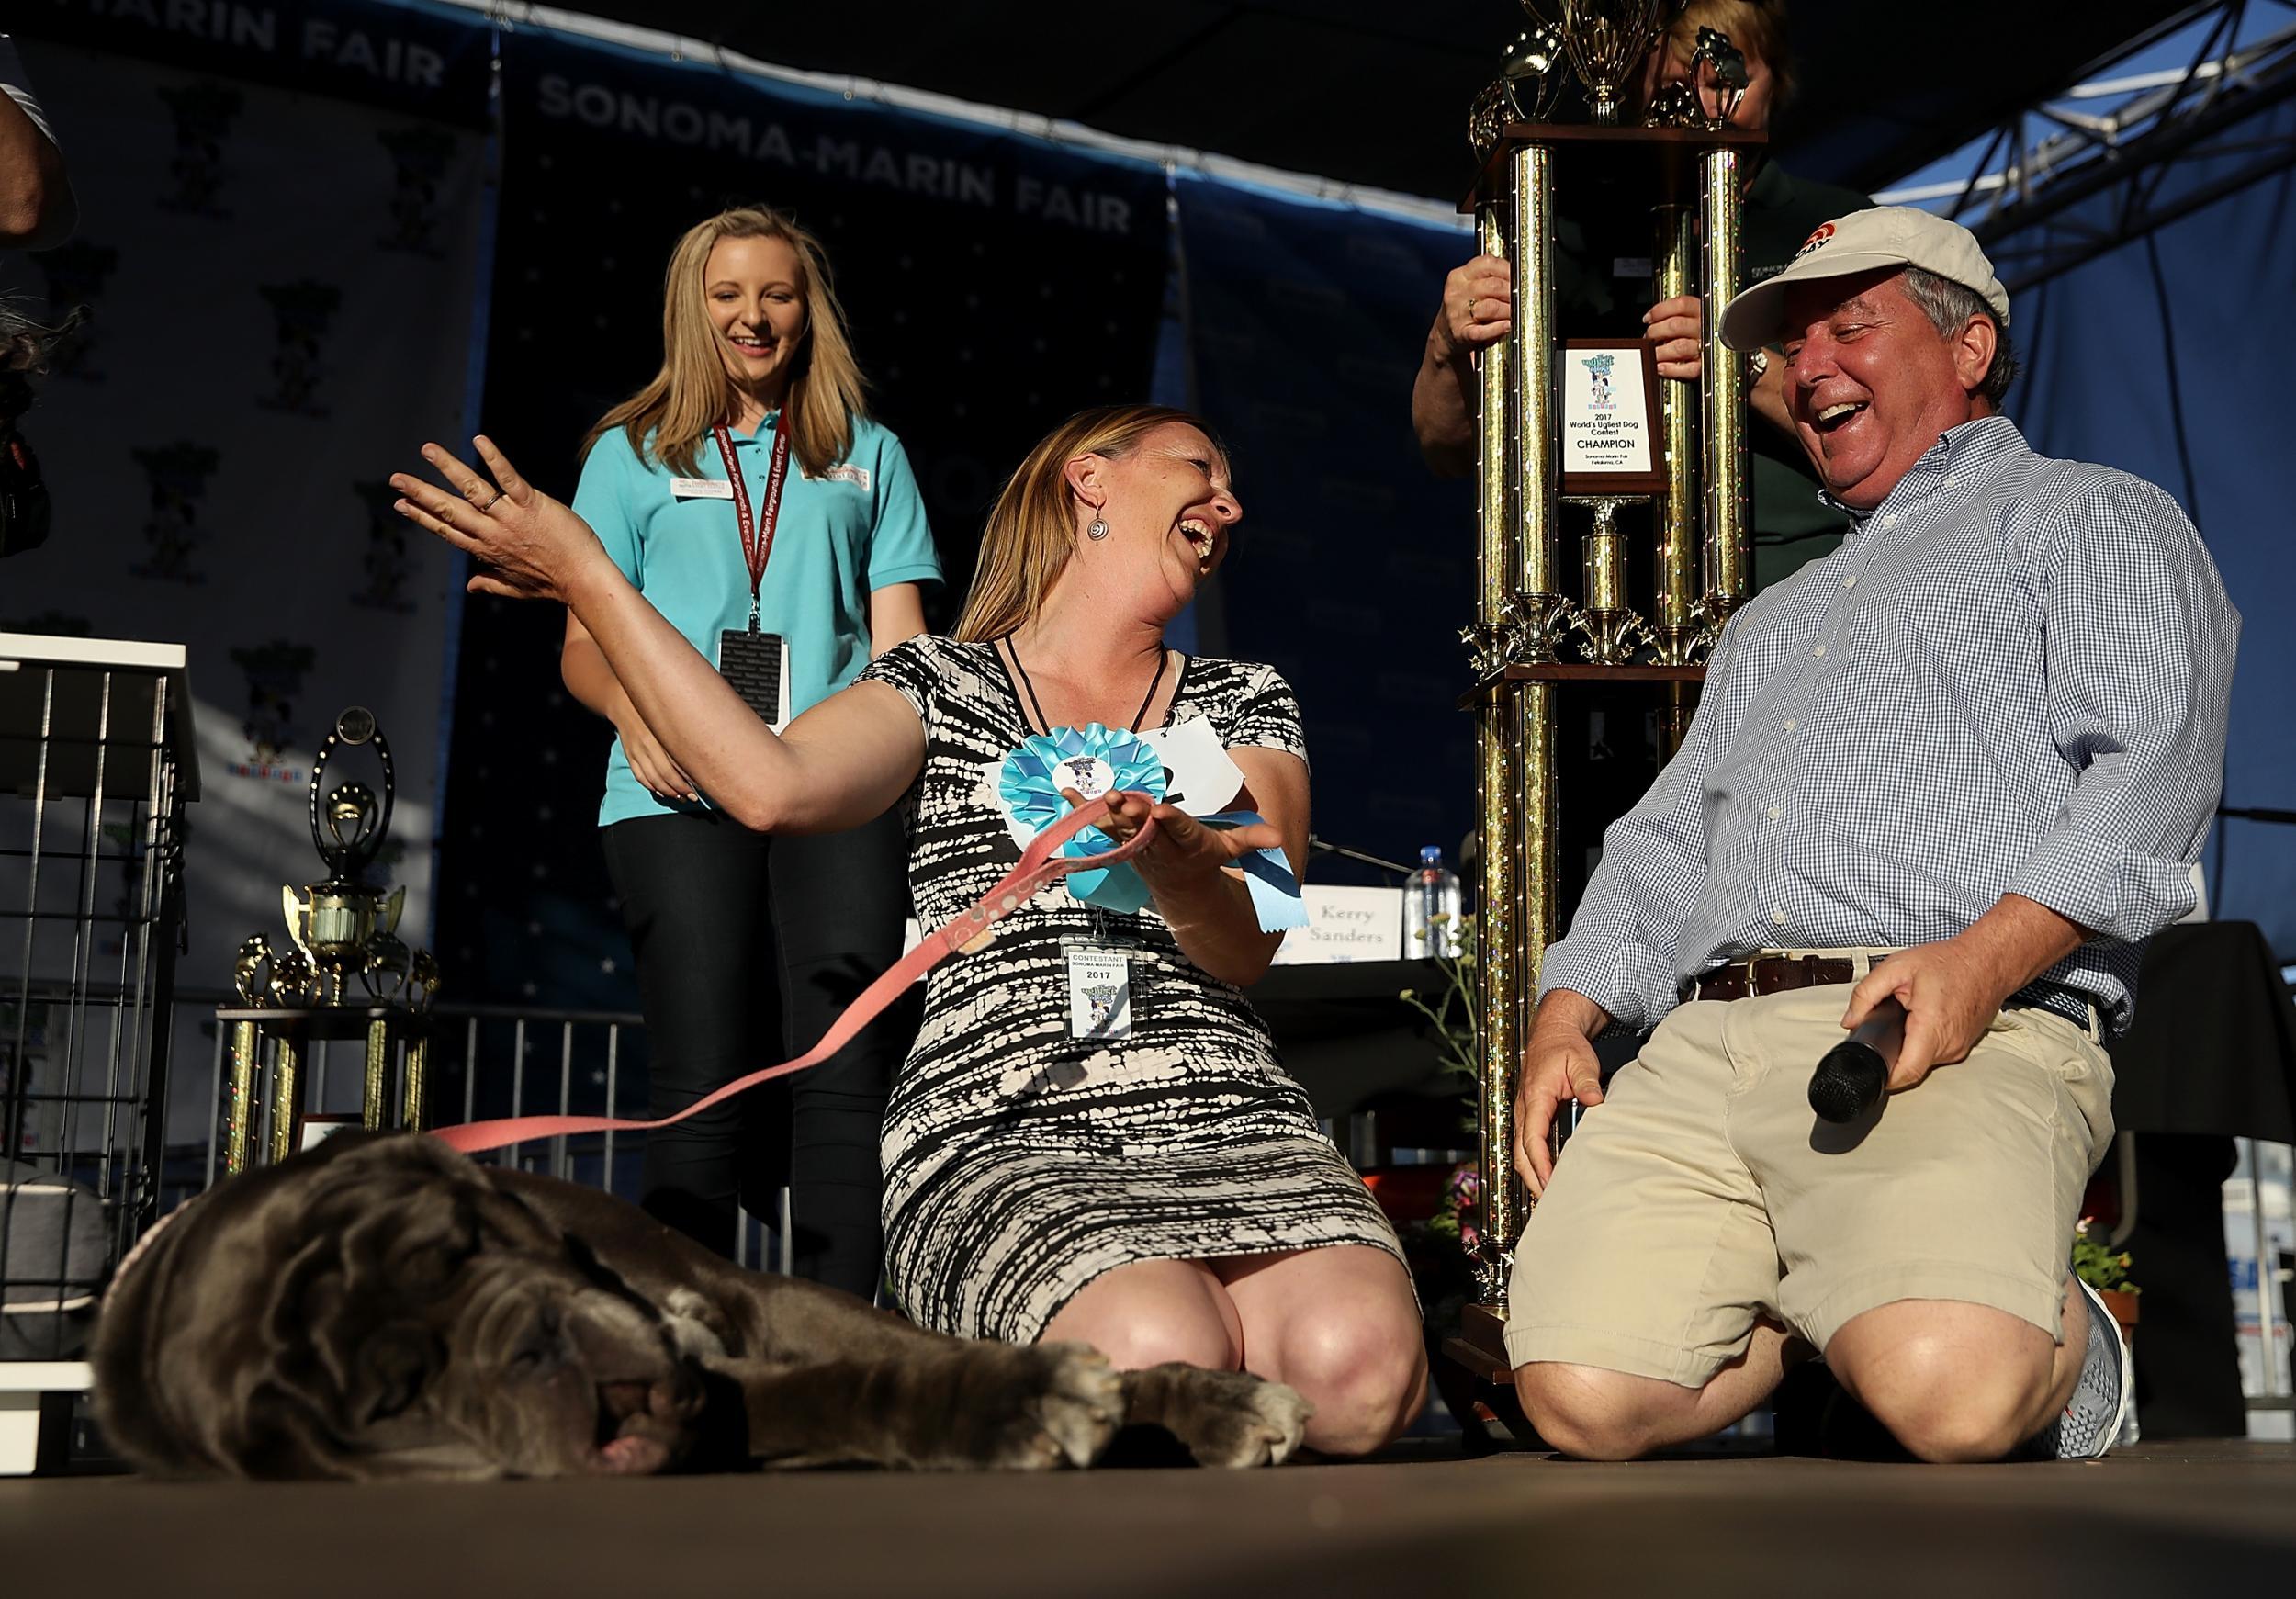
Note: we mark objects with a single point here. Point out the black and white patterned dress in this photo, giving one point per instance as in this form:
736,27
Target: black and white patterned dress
1021,1162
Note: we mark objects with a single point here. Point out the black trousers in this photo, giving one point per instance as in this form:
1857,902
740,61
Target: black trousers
748,948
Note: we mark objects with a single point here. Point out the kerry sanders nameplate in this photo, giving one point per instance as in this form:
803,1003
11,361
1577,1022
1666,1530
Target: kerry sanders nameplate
1346,923
1609,389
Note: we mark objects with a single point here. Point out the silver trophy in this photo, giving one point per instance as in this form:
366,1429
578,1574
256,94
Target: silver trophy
1708,98
1530,78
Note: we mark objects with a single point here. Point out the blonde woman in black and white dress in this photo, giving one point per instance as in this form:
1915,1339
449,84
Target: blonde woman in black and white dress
1166,1196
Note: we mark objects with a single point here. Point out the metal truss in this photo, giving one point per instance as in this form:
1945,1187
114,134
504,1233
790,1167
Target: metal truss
2044,161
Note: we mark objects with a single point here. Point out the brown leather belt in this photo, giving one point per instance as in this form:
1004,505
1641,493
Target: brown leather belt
1774,974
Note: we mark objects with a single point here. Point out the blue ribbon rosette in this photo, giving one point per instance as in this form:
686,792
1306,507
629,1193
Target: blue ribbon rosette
1094,761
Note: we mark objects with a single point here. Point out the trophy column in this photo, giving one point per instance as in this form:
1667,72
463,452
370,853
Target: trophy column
375,1086
1721,186
414,1113
1497,756
1678,581
240,1114
286,1096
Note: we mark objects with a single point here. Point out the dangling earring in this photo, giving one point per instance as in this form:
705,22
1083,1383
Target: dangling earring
1098,531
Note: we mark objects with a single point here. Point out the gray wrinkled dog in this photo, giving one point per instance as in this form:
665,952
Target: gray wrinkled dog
382,1307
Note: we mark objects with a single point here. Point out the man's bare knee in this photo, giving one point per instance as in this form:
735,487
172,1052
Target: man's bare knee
1586,1412
1955,1413
1946,1391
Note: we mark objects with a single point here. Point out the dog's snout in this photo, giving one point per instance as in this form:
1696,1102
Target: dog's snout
625,1400
544,1349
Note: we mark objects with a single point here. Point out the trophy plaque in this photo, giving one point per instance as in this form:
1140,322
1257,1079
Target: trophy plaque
1612,442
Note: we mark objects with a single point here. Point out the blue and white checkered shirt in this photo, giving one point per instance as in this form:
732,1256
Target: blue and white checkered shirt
2012,678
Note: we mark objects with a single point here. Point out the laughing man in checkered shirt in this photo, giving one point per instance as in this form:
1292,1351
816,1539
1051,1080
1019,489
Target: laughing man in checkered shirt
1986,734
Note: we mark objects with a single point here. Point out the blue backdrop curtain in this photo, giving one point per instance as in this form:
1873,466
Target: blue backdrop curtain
1354,569
2163,358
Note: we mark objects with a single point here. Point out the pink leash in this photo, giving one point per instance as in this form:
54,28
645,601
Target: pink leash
1038,867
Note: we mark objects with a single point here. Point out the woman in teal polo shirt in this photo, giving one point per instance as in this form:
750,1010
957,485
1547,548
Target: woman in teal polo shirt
749,498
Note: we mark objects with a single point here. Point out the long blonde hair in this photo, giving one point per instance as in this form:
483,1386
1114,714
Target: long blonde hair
1031,529
693,392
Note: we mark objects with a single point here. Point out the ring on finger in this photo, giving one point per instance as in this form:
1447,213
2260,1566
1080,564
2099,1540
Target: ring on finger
486,504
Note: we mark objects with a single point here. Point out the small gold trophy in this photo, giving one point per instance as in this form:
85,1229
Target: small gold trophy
341,927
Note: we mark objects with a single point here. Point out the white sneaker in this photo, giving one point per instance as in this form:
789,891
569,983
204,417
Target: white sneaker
2093,1417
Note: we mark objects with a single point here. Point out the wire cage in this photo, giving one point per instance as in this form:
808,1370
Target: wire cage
96,764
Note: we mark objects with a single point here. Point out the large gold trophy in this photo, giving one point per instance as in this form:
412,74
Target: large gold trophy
339,929
1586,425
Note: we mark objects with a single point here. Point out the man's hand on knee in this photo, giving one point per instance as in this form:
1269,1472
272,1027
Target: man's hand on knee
1558,1063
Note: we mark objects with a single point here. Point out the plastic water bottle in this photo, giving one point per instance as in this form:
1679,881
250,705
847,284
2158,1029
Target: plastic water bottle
1431,908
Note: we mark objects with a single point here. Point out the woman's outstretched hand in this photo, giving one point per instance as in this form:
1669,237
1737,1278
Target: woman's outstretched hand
1183,847
527,545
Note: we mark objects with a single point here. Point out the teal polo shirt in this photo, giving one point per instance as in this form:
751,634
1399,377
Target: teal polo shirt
858,528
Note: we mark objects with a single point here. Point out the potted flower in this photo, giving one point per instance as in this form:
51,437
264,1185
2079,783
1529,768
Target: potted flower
2106,1269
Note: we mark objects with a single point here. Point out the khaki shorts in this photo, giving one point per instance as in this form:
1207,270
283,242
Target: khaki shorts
1703,1193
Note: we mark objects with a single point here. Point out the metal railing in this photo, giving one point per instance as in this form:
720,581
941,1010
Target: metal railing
487,1061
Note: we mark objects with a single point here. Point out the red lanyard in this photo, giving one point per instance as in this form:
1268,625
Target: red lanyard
757,543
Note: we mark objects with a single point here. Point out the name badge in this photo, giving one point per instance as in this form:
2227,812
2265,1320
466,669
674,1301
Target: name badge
757,664
701,489
1099,992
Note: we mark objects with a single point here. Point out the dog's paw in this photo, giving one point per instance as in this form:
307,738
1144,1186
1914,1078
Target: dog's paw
1051,1405
1228,1418
696,1330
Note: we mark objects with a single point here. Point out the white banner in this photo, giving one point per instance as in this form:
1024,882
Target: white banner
281,287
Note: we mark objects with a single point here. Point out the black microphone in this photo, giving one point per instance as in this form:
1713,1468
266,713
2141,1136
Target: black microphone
1849,1081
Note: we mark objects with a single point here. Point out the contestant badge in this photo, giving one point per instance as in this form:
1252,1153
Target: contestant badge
1099,992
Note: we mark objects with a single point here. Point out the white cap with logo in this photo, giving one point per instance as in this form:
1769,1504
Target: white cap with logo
1867,242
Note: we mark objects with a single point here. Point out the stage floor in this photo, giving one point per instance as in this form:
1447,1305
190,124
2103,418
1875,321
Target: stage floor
2163,1518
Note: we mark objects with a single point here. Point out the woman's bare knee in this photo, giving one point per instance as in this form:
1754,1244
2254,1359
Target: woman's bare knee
1149,1313
1366,1375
